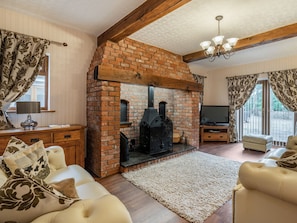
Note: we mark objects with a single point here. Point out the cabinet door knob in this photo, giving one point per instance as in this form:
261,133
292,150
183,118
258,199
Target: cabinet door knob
67,136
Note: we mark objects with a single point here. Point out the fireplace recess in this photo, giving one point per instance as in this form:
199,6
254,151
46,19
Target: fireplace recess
156,130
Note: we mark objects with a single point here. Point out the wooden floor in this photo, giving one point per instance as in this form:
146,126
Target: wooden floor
144,209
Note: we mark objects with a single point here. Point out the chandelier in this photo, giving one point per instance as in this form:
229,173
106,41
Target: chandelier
219,48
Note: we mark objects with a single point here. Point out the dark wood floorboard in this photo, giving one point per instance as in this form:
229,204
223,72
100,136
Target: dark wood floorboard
144,209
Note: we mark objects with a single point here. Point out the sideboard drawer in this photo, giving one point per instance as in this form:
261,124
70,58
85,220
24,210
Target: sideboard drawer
33,138
66,136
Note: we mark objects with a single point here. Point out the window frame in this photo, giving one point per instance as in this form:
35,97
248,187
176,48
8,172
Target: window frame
45,72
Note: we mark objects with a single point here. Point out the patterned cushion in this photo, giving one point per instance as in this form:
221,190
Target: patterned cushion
24,198
289,162
288,153
14,145
32,159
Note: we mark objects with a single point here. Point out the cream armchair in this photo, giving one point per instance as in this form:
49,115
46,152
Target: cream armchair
266,193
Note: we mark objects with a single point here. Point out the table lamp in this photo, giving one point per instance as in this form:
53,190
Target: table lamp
28,107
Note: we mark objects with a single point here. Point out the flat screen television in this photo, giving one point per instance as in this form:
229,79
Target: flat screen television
214,115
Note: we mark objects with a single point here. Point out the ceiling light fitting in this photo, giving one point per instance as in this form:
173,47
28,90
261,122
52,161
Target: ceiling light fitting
219,48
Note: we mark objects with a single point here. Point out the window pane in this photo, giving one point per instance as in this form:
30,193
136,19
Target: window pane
26,96
281,119
36,92
39,86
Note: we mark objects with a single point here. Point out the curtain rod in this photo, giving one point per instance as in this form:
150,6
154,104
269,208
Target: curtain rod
59,43
51,41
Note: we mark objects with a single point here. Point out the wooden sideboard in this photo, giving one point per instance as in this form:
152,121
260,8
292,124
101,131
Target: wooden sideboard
71,139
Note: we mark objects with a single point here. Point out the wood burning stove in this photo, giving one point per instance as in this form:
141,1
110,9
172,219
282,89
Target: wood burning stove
156,131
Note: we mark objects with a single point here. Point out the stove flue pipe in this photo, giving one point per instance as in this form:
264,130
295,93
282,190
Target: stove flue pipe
150,96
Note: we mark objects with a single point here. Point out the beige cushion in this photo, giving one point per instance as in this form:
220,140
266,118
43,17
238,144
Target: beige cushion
24,198
14,145
33,159
292,143
66,187
56,157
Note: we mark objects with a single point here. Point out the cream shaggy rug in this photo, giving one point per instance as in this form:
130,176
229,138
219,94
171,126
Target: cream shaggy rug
193,185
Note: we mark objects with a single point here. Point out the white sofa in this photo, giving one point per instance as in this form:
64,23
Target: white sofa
266,192
95,203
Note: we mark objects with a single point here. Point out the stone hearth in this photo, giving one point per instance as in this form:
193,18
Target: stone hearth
138,159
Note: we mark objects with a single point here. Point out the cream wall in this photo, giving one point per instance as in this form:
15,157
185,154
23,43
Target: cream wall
68,67
215,88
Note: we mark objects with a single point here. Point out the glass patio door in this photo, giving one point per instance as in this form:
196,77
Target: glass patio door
263,113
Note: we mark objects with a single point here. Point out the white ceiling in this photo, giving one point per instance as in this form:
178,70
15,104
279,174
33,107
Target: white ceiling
182,30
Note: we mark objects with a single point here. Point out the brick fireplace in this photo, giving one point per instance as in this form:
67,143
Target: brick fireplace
103,99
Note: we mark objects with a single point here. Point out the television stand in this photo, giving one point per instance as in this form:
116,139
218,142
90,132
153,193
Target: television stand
214,133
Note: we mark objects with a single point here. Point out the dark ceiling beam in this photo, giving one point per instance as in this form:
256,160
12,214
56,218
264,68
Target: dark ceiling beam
274,35
148,12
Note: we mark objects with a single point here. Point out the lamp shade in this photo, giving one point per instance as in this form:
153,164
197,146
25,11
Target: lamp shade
232,41
218,40
210,50
227,47
205,44
27,107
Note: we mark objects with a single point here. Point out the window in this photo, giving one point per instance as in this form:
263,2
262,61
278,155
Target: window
39,89
263,113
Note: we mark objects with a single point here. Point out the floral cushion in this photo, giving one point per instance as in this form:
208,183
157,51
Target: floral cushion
24,198
14,145
33,159
288,160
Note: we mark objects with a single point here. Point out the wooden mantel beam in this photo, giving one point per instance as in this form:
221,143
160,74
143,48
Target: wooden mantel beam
274,35
105,73
148,12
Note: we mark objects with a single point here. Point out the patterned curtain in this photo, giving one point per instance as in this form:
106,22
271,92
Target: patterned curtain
20,59
240,89
200,80
284,86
